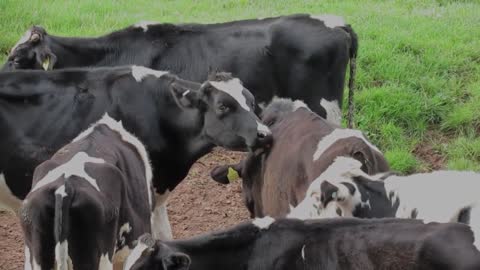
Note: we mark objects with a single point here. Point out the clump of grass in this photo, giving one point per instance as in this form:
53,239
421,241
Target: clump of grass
402,160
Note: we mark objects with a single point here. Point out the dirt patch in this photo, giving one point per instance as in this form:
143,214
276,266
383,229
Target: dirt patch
196,206
432,158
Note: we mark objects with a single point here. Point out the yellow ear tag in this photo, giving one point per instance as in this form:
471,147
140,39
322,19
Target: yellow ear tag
232,175
46,63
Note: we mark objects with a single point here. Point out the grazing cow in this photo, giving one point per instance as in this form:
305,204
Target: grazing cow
299,56
89,202
304,145
178,121
442,196
335,244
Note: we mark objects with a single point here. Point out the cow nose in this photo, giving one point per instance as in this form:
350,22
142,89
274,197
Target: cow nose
263,134
264,138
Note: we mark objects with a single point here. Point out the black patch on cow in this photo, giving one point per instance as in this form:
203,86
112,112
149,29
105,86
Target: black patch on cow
414,213
374,193
351,188
339,211
464,215
327,192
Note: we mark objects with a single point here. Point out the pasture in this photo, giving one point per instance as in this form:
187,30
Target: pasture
417,98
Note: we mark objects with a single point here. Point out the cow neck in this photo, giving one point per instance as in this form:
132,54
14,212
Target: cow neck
79,52
229,249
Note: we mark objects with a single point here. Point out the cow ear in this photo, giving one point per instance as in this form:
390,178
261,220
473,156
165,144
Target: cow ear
46,59
360,156
225,174
329,192
176,261
184,96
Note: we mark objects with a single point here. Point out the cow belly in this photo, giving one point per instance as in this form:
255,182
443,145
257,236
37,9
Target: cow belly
7,200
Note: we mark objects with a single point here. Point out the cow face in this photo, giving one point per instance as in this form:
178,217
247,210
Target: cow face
149,254
31,52
228,113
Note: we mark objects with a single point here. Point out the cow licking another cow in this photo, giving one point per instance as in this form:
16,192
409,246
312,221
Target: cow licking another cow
106,145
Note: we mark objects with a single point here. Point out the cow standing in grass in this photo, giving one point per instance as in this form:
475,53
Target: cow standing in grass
442,196
299,56
304,145
89,202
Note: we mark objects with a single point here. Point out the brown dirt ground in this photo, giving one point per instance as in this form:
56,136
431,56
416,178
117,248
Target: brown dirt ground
196,206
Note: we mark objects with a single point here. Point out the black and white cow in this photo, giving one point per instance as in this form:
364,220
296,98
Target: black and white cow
304,146
177,120
300,56
442,196
89,202
336,244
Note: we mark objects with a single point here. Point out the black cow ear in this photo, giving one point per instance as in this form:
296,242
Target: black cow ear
329,192
225,174
184,96
360,156
176,261
46,59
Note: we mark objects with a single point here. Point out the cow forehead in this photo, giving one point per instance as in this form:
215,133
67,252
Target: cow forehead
234,88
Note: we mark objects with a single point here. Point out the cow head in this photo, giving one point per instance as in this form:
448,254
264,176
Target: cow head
347,189
149,254
279,108
228,113
31,52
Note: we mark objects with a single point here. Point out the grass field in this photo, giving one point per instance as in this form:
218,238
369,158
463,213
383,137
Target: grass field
418,76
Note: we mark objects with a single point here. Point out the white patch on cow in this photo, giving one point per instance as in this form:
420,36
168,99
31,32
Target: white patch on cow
124,229
303,252
28,259
433,194
185,93
334,113
234,88
23,39
135,255
62,260
140,72
8,201
263,129
336,135
105,263
329,20
144,25
263,223
75,166
297,104
161,229
129,138
61,191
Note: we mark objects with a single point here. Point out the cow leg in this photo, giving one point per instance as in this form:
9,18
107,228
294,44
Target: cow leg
8,201
161,228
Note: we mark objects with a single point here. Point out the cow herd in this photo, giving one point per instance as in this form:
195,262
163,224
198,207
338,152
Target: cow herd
96,132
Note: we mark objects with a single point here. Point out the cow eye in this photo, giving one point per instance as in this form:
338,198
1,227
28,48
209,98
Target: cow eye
223,108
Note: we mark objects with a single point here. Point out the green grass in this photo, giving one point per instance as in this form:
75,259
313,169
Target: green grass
418,68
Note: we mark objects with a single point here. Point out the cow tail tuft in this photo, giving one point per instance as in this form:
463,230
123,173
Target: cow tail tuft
63,201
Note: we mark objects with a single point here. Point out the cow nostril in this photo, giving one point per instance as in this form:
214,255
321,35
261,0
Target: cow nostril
261,135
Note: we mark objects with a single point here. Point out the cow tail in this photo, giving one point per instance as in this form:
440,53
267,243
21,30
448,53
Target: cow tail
353,67
63,201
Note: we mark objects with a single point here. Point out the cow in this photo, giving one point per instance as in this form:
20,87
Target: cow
89,201
177,120
298,56
442,196
304,145
335,244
